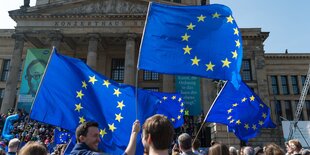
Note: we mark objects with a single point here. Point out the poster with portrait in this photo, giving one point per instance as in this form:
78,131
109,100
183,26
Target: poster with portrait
34,66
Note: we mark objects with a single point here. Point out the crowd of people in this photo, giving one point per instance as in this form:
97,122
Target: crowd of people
158,137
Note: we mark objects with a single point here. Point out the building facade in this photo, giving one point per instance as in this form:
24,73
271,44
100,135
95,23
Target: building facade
107,34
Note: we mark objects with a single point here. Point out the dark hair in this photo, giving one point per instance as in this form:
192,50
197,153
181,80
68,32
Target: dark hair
218,149
161,131
33,148
82,129
196,144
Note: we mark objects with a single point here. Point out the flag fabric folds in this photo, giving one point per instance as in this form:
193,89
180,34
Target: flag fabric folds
192,40
171,105
72,93
241,110
62,137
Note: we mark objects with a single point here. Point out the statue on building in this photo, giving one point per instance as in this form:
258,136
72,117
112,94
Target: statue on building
26,3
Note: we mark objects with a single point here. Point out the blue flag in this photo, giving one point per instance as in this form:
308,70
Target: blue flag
241,110
62,137
72,93
172,106
192,40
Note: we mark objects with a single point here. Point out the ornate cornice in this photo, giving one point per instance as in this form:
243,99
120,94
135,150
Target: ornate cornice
287,56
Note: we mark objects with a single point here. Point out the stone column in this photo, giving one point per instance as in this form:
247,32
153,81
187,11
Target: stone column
92,50
55,39
168,84
13,77
129,75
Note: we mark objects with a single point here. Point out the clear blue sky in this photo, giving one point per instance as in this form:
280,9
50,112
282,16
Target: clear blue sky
286,20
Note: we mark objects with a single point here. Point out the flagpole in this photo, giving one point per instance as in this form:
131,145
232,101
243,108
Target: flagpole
204,120
137,73
39,87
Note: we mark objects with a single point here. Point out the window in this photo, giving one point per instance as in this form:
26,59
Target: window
118,69
307,102
1,95
278,110
176,1
295,84
288,110
284,85
150,76
274,84
246,70
5,69
156,89
303,79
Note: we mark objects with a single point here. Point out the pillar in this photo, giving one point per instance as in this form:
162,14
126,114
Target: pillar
92,50
13,77
129,75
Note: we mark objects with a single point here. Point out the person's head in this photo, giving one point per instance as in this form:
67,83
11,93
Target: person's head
218,149
258,151
13,145
34,73
196,144
248,150
88,133
295,145
185,142
157,133
273,149
33,148
232,151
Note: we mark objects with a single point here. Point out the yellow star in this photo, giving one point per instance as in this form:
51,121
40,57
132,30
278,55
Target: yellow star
182,104
84,84
195,61
106,83
182,110
246,126
180,99
187,50
190,26
244,99
165,97
252,98
232,121
179,117
254,127
237,43
235,54
236,31
112,127
238,122
102,132
186,112
185,37
78,107
229,110
118,117
79,94
264,115
173,97
230,19
229,117
172,119
261,123
117,92
226,63
201,18
82,120
120,105
261,105
236,104
210,66
92,79
216,15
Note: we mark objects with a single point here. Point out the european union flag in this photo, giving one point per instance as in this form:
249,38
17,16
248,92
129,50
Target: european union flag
192,40
71,93
62,137
171,105
241,110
